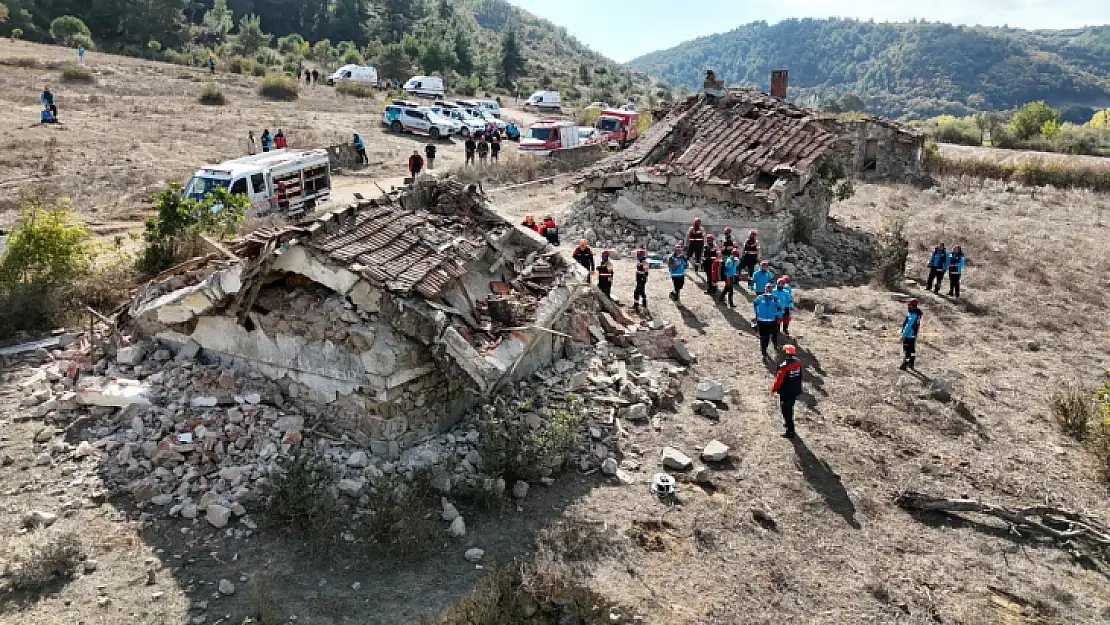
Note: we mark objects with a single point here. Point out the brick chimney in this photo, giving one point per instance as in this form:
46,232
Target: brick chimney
779,80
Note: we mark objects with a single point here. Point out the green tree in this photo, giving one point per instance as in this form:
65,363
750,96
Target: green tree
395,62
464,53
154,46
438,57
513,65
250,38
217,22
322,51
176,231
1028,121
1100,120
293,44
584,74
3,13
65,28
1050,129
47,245
852,103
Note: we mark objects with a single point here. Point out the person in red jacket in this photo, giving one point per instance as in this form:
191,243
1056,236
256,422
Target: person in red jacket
530,222
788,384
549,230
279,140
416,163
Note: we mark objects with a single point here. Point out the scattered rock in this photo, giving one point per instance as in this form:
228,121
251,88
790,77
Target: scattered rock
860,323
44,435
89,566
131,355
84,450
351,488
609,466
703,475
706,409
450,512
715,451
458,528
635,412
710,390
39,518
218,515
1031,346
520,490
682,354
226,587
675,459
204,402
358,460
764,518
475,554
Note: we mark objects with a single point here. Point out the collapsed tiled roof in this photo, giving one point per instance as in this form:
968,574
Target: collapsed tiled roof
730,140
395,248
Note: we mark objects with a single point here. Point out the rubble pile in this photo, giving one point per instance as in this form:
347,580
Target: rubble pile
605,230
187,434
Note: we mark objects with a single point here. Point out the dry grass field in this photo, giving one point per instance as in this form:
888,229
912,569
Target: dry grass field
973,422
1016,157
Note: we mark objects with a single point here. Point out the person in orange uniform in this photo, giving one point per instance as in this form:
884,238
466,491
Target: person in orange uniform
788,384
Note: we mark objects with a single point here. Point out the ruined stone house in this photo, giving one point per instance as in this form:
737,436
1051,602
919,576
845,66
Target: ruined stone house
392,316
872,146
743,159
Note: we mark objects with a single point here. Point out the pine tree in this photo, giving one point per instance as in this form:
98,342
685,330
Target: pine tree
513,64
217,22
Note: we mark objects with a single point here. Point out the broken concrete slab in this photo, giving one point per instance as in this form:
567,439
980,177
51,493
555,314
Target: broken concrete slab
675,459
117,394
710,390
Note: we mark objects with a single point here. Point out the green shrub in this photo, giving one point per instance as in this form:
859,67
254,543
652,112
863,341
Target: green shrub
212,95
17,33
267,57
893,250
281,88
258,70
1032,172
355,89
175,233
404,523
1074,409
511,448
75,72
85,42
302,498
239,65
48,244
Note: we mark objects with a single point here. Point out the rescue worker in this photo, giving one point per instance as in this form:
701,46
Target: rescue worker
676,265
549,230
955,270
47,99
46,117
731,269
728,244
279,140
212,66
766,315
639,295
495,147
530,223
416,163
761,278
709,265
585,257
938,262
315,76
750,256
605,275
470,146
788,384
430,156
267,140
252,145
695,244
360,148
483,151
911,326
785,296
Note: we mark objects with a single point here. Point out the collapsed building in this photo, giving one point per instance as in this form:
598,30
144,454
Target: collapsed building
742,159
394,315
872,146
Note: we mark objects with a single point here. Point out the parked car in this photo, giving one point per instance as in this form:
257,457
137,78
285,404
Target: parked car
355,73
419,119
589,136
468,123
424,86
489,105
544,101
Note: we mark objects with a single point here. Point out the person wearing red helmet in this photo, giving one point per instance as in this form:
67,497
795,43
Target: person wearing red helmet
640,293
709,265
911,326
585,257
676,265
785,296
605,275
728,243
695,244
788,385
750,256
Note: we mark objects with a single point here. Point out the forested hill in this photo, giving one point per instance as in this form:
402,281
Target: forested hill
913,70
461,39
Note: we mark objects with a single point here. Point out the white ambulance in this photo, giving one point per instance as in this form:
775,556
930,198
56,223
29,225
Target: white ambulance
288,182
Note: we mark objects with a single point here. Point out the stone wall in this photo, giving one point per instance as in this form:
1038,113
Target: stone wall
898,154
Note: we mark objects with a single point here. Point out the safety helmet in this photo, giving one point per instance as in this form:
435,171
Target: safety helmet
735,252
728,230
913,301
765,263
605,254
781,282
641,253
529,218
697,223
786,279
709,237
678,248
751,234
768,286
790,349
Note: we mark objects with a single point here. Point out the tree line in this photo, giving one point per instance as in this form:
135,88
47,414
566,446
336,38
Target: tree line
914,70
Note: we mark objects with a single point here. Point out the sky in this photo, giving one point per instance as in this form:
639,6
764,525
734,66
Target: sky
625,29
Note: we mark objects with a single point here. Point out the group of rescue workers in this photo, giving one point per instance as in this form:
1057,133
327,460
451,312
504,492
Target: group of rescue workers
727,264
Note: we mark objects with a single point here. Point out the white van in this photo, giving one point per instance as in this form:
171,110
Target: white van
290,182
544,101
425,86
355,73
488,105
